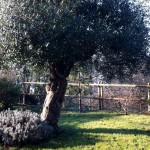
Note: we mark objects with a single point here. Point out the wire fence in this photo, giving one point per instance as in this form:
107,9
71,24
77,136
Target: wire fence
99,96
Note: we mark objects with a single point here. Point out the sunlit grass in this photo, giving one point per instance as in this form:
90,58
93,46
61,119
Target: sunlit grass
100,131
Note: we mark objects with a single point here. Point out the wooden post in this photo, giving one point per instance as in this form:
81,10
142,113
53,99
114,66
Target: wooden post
90,104
80,104
148,95
24,96
140,107
100,96
24,99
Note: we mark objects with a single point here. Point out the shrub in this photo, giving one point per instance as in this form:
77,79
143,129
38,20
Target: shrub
23,127
9,93
31,100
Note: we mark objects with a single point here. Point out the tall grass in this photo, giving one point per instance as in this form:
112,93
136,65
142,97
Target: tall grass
99,131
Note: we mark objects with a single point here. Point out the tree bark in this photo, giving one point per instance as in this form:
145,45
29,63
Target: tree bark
55,93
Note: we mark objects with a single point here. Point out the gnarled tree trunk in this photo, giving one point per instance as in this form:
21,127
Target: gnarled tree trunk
55,93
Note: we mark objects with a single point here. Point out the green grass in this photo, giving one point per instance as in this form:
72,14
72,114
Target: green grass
99,131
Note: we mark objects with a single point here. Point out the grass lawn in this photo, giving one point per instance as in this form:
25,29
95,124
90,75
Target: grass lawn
99,131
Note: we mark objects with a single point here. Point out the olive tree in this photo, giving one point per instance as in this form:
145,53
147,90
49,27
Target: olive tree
59,33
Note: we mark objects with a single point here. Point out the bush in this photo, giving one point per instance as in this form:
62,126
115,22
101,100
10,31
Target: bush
31,100
23,127
9,93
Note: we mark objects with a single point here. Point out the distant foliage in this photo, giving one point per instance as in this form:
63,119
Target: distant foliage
23,127
9,93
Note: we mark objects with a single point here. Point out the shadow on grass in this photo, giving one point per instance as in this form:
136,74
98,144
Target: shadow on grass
69,118
74,137
117,131
69,138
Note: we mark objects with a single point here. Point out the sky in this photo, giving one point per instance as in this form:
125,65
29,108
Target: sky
146,6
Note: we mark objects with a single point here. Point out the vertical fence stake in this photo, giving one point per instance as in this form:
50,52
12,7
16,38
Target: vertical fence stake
140,107
24,94
80,105
148,96
100,96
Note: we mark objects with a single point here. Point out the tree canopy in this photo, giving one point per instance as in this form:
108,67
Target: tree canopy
45,32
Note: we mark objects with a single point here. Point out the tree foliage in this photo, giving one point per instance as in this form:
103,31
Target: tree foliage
9,93
44,32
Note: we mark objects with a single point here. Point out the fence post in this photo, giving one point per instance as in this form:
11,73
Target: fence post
100,96
99,99
148,96
24,96
80,104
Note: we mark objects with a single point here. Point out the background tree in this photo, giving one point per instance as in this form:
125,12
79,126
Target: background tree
57,34
9,93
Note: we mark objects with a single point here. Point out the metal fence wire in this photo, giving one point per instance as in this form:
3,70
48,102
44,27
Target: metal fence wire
100,96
